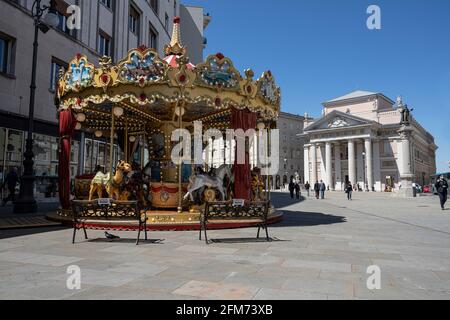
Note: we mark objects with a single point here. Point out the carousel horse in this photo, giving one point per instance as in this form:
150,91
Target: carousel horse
137,182
112,186
202,180
257,185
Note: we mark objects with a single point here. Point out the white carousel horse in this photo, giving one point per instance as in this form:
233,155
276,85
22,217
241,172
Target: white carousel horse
200,181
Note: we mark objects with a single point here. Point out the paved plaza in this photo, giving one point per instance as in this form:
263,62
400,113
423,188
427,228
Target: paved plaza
321,250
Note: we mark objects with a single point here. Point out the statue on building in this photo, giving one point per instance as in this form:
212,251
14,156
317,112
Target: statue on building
406,115
405,112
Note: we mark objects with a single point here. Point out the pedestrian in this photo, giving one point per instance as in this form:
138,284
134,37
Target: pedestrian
349,190
11,182
307,187
297,190
292,188
323,187
442,190
317,189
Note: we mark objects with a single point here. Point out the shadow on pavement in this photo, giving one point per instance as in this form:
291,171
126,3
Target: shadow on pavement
246,240
281,200
123,240
12,233
304,219
298,218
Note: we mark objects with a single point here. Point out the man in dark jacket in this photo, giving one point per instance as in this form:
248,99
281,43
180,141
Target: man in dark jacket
323,188
442,189
307,187
292,188
11,181
317,189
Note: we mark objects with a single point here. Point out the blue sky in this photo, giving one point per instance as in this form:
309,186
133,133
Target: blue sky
322,49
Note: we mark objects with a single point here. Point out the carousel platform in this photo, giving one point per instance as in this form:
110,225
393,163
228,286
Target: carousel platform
167,221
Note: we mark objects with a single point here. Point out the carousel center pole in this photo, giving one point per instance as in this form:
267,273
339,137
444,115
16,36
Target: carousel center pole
269,155
180,165
126,140
111,147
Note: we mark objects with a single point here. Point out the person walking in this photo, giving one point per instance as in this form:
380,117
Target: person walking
323,188
307,187
297,190
11,181
292,188
349,190
442,189
317,189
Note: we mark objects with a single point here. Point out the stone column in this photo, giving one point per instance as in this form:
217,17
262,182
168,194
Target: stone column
328,166
360,165
337,167
369,163
313,151
306,163
351,162
377,166
406,175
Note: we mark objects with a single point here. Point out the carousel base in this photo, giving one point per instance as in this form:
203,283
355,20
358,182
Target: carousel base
166,221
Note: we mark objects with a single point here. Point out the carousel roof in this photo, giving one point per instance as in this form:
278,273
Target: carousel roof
149,88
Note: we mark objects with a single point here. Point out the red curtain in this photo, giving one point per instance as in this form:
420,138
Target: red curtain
245,120
67,123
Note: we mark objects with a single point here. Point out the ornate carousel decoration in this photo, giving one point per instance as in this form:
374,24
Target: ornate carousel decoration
138,103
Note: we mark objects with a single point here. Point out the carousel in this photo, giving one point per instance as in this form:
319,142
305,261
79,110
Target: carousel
136,104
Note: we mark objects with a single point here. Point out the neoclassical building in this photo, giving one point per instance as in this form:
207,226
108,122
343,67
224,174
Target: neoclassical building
363,138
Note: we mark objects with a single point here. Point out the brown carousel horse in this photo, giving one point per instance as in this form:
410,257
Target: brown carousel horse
138,184
113,187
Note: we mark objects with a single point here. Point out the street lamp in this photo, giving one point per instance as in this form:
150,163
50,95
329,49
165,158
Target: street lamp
26,202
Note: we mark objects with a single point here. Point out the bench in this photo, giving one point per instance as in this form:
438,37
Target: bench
86,213
252,211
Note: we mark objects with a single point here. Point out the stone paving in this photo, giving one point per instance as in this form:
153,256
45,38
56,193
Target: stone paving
320,251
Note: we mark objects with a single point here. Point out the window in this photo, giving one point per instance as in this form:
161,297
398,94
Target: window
104,45
6,54
154,5
62,25
106,3
133,21
56,66
153,35
166,22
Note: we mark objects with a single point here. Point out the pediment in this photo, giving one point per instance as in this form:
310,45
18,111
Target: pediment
337,119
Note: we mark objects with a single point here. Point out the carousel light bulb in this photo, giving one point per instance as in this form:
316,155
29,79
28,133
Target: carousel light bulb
180,111
98,134
118,111
81,117
78,126
132,139
261,126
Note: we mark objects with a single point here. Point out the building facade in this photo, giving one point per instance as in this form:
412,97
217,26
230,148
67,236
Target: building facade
361,139
291,149
108,27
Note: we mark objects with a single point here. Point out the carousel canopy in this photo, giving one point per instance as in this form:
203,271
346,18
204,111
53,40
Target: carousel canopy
149,89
